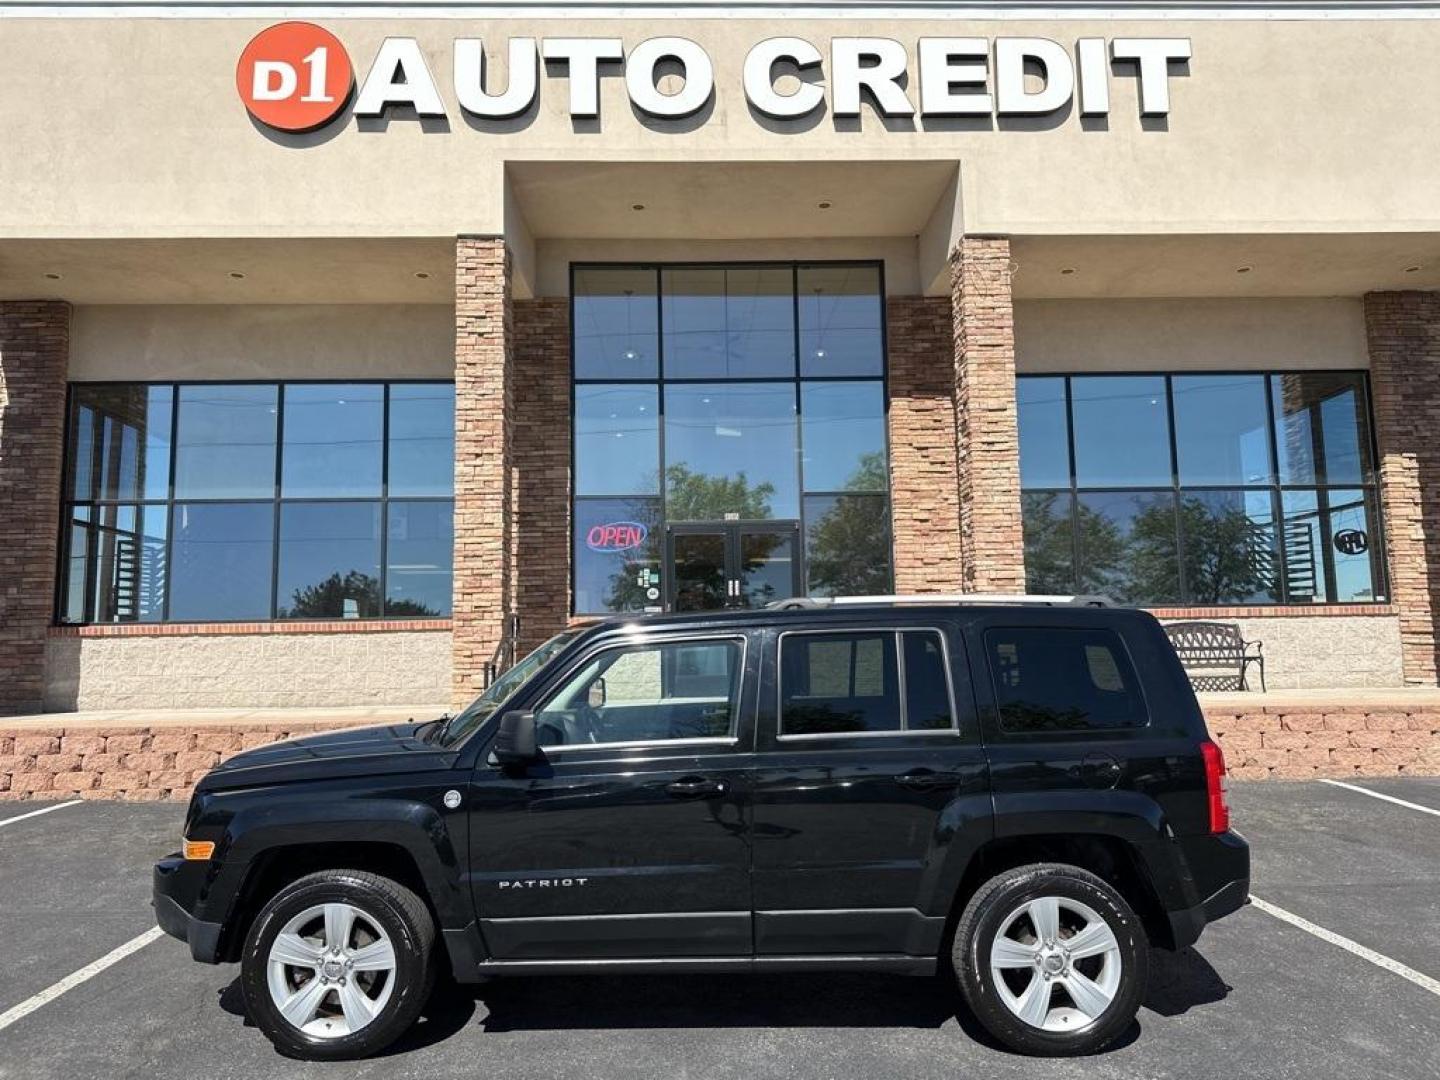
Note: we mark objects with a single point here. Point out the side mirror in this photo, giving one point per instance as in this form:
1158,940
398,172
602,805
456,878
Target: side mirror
596,696
515,741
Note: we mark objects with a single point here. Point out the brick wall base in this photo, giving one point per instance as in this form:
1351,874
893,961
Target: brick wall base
1284,742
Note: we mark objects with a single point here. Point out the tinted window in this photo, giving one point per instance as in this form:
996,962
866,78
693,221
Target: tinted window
419,558
1044,432
119,442
646,693
730,449
927,684
1127,545
843,434
329,561
1228,547
838,683
1122,430
617,439
616,323
1322,428
225,442
847,545
731,322
1054,680
617,554
1049,541
333,440
1222,434
220,561
422,439
840,320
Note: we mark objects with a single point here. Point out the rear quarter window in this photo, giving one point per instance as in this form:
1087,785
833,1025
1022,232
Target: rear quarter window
1063,680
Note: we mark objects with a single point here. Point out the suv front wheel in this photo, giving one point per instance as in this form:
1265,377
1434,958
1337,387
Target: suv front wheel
1051,959
338,965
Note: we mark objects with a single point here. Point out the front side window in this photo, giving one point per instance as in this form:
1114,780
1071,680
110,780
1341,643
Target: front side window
220,502
864,683
1205,489
647,693
1051,680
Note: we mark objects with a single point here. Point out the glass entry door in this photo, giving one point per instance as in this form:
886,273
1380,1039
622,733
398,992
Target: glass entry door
732,564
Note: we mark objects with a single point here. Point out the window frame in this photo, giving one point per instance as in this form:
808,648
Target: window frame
796,379
1275,488
895,631
998,727
276,500
657,641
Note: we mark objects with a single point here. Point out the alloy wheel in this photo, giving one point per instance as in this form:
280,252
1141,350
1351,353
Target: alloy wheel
331,970
1056,964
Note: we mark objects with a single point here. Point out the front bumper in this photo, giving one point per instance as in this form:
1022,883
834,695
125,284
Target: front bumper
175,885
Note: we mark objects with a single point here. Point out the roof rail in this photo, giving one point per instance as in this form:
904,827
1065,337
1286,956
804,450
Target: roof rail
1037,599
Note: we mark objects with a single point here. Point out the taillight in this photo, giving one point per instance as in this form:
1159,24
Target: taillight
1215,787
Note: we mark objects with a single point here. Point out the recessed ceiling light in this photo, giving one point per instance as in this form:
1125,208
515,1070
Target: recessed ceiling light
1067,270
422,275
1243,269
823,205
237,275
638,206
53,276
1408,270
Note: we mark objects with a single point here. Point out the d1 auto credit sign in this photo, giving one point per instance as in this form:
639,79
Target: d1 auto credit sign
294,76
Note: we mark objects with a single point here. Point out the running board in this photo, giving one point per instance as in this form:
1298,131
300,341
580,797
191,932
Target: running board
896,965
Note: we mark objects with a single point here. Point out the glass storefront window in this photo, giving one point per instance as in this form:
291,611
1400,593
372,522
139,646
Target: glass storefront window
728,426
842,431
225,439
1122,430
1044,435
1221,434
730,450
616,318
617,439
841,320
1209,535
421,441
728,322
334,441
219,540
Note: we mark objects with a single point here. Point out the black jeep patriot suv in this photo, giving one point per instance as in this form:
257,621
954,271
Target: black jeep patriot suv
1019,792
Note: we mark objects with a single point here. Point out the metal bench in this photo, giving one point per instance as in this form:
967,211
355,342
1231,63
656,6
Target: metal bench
1213,647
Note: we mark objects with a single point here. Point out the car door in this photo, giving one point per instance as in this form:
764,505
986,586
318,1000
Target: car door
630,838
871,790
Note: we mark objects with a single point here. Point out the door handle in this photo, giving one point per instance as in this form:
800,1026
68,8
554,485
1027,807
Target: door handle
696,787
1100,770
927,780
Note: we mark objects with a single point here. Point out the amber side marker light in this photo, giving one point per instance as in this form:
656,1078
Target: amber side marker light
199,849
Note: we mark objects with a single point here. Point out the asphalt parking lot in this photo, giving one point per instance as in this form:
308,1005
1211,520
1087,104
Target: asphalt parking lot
1259,996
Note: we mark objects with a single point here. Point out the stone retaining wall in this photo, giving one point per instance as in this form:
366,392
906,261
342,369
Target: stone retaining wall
1288,742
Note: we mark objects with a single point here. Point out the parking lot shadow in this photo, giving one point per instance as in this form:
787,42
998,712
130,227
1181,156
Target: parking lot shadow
1181,981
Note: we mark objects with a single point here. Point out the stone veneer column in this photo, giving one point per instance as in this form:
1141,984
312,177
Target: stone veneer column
542,467
992,547
34,358
484,450
1403,329
924,497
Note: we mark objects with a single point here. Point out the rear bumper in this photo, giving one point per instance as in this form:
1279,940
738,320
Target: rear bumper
1219,868
173,888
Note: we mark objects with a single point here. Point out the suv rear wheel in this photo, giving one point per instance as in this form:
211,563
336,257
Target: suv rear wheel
338,964
1051,959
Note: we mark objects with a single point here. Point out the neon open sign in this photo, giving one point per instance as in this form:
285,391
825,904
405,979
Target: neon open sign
616,536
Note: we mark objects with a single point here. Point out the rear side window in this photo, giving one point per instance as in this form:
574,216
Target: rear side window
866,682
1063,680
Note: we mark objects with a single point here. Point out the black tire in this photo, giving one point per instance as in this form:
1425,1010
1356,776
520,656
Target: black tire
986,915
392,907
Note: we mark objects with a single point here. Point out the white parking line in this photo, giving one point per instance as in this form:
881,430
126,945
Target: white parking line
1387,798
37,813
1420,979
75,978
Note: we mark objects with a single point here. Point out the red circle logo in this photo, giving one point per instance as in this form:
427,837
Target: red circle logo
294,76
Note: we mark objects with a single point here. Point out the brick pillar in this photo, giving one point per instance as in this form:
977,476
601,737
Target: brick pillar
924,498
484,450
992,548
1403,329
34,357
542,467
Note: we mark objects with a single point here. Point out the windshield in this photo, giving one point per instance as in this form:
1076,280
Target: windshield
498,692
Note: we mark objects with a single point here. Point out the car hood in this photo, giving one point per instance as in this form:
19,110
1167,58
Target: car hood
333,754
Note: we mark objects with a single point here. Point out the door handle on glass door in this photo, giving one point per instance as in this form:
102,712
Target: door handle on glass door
695,787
